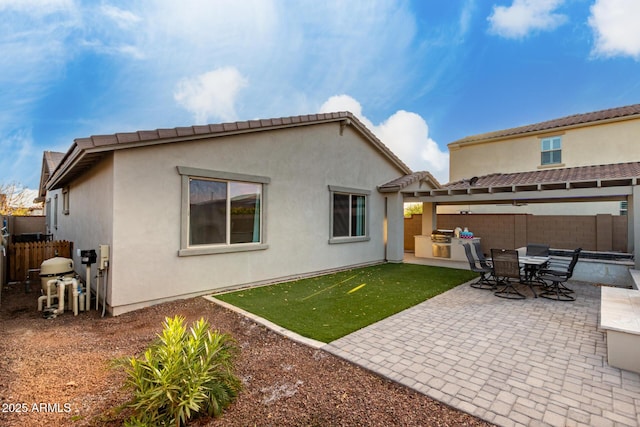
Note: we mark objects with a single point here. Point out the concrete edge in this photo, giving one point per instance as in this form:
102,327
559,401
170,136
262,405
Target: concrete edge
272,326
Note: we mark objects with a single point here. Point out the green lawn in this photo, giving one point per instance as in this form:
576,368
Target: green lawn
328,307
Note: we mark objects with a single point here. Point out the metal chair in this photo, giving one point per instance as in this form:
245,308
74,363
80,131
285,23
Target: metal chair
505,268
557,275
537,250
480,256
485,272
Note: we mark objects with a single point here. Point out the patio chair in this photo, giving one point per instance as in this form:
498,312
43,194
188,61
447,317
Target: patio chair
484,262
485,271
557,275
506,267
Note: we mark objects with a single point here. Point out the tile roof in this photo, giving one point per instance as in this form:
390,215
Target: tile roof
50,161
53,159
404,181
628,111
85,152
547,176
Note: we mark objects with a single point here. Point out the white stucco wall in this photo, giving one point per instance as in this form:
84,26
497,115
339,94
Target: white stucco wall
89,221
300,162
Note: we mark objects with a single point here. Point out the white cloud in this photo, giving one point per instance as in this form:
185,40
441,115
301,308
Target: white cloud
32,42
36,7
294,53
525,16
211,95
615,24
405,133
123,18
23,156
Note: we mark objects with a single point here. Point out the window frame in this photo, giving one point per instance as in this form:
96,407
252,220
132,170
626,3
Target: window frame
55,211
65,201
551,150
334,189
189,173
47,215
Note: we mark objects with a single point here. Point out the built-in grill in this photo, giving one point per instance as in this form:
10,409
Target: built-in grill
441,236
441,243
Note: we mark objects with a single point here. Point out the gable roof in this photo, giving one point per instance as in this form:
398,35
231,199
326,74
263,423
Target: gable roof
404,181
50,161
85,152
610,172
576,120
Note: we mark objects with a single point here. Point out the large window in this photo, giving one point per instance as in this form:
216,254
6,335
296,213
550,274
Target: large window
222,212
349,215
551,152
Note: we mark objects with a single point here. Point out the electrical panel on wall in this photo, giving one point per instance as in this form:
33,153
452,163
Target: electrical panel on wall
103,262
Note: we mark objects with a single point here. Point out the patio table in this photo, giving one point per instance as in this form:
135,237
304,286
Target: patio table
533,264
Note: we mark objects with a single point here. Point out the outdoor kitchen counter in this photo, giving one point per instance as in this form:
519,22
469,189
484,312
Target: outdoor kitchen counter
424,248
620,319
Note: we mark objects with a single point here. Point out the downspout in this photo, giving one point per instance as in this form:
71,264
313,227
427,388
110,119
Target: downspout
385,231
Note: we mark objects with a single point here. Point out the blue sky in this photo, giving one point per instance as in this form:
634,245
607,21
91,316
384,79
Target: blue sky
420,74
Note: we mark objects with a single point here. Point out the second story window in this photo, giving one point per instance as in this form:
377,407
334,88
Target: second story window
551,152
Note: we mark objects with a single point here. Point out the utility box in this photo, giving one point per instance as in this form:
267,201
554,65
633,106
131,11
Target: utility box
103,263
88,257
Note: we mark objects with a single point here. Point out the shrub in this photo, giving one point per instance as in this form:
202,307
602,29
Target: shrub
182,375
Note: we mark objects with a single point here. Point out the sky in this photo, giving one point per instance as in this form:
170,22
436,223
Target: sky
420,74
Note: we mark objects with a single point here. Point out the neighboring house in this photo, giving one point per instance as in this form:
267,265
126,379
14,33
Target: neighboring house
191,210
606,137
50,159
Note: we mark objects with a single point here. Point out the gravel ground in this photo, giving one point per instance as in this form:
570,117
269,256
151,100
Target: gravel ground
57,372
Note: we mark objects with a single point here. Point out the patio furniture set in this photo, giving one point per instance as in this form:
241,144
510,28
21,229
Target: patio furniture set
508,270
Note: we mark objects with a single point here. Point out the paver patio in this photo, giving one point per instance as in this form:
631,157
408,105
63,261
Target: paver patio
525,362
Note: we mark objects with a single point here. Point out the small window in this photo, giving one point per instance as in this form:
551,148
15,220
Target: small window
221,212
47,215
65,201
551,152
55,211
349,215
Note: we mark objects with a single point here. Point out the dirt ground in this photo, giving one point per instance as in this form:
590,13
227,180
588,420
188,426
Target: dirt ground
57,372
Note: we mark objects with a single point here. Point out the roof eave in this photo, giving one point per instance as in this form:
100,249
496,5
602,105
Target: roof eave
93,148
471,140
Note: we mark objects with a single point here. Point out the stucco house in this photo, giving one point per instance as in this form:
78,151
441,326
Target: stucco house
189,210
606,137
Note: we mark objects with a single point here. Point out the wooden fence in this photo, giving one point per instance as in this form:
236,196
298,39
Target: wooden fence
25,256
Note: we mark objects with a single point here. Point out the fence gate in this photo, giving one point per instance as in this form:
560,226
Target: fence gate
26,256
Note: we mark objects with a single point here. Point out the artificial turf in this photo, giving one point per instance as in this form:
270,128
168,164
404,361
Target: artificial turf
328,307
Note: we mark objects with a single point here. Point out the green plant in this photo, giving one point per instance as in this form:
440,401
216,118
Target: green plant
182,375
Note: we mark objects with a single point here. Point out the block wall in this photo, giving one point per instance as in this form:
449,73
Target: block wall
510,231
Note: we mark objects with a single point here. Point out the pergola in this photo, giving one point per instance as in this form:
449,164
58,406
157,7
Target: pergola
599,183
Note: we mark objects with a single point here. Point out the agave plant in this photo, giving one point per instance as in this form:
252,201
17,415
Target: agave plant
182,375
